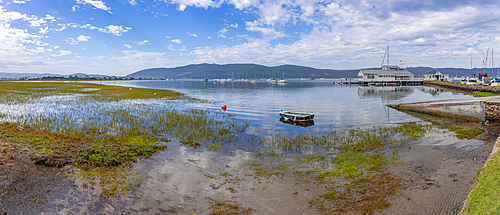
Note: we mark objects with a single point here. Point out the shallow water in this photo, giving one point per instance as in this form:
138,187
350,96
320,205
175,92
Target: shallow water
335,106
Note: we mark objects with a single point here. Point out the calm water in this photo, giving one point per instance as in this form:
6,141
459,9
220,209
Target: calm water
335,106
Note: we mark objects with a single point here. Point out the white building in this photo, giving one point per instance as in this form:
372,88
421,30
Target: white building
388,73
436,75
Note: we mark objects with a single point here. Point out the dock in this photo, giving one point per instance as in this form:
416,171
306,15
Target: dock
414,82
472,109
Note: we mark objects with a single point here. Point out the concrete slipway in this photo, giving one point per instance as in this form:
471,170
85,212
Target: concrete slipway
472,109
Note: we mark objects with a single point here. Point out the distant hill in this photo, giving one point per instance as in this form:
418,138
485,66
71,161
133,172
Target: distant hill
250,71
241,71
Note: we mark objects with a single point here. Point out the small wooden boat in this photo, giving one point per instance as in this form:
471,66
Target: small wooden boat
296,116
302,124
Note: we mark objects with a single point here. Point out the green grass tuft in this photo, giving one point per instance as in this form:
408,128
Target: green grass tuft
486,94
485,196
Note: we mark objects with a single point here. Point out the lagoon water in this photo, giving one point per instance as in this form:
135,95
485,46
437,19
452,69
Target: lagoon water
335,106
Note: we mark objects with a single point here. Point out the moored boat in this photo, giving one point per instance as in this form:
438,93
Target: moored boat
296,116
302,124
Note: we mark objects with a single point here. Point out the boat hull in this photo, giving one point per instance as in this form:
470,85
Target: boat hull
296,116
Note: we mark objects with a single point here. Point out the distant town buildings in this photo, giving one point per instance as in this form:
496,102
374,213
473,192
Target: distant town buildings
74,77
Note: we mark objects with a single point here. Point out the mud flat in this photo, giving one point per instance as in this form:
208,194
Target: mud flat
438,173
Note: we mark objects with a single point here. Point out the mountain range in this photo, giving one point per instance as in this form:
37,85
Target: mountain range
252,71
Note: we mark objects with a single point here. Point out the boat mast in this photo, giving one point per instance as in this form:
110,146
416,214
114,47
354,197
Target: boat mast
386,54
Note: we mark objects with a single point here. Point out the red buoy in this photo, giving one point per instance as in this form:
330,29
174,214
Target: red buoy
224,107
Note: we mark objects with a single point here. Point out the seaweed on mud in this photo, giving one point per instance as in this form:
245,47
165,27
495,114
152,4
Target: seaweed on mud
351,163
224,207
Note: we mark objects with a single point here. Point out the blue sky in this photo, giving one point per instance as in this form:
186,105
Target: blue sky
123,36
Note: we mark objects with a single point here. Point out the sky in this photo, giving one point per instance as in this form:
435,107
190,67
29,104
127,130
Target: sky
119,37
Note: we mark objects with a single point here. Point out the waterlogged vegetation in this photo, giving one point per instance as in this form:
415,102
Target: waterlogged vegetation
102,129
20,92
350,163
465,133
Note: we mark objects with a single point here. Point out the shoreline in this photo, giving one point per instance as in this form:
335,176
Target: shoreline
468,89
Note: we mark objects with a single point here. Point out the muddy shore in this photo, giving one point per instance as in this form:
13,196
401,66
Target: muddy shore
437,172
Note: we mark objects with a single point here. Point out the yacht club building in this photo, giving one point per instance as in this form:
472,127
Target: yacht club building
387,75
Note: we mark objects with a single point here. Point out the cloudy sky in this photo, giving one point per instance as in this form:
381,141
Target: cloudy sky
118,37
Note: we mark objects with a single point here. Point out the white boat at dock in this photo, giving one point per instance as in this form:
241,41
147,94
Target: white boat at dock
296,116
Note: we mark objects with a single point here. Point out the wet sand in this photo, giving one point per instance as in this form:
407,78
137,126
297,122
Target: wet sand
438,174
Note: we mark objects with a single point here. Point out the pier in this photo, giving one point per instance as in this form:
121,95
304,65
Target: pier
413,82
392,83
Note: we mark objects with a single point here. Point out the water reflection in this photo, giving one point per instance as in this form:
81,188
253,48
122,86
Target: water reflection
386,93
302,124
335,106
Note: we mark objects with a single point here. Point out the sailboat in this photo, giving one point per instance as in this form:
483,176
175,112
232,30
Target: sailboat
283,80
273,79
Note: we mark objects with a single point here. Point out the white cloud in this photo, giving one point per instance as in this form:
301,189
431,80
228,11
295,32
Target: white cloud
171,48
75,41
192,35
20,2
83,38
35,22
116,30
267,31
74,7
178,41
132,2
235,25
182,4
127,45
49,17
168,37
7,16
142,43
357,38
61,53
242,4
96,4
111,29
43,30
222,33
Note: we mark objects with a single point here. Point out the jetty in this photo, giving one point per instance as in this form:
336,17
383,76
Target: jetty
472,109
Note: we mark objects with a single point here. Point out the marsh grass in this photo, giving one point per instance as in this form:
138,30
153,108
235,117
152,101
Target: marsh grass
24,91
486,94
104,127
350,163
465,133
